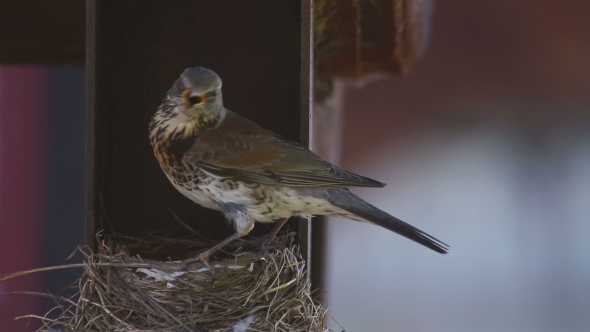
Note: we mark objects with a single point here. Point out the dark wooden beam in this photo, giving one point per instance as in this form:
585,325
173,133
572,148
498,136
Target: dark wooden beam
137,49
42,32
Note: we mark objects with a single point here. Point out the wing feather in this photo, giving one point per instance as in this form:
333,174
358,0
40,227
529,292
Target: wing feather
242,150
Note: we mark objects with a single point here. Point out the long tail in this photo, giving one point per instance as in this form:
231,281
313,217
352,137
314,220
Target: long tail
353,204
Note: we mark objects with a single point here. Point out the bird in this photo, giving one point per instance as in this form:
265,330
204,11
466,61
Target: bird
225,162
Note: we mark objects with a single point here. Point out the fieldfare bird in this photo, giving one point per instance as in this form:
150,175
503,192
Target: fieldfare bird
225,162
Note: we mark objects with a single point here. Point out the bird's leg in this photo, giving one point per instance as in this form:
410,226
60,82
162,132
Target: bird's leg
275,230
204,256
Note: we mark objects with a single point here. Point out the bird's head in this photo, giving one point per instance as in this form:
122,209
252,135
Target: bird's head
196,96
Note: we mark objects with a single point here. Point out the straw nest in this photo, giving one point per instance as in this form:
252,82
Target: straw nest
122,291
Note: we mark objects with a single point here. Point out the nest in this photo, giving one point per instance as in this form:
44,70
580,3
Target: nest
121,291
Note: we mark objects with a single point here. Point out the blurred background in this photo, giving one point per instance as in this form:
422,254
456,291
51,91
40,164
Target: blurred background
485,145
42,142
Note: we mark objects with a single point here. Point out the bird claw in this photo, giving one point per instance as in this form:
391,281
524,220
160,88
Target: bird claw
266,245
263,248
211,268
204,258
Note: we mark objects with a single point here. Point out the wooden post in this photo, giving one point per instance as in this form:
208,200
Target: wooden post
136,49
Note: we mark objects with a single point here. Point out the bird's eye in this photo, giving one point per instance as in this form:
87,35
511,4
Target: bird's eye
194,100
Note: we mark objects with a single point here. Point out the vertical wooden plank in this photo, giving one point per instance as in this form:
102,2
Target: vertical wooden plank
137,49
91,202
306,138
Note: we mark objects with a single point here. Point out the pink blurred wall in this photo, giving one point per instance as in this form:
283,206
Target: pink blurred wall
22,137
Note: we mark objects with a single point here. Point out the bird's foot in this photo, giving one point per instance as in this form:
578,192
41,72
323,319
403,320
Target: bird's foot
266,245
202,257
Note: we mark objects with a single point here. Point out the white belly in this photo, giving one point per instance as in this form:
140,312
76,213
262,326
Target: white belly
196,195
280,202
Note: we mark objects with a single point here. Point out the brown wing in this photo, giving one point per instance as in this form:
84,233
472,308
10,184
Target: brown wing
240,149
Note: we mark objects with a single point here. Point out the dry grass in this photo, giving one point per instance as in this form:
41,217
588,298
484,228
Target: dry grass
121,291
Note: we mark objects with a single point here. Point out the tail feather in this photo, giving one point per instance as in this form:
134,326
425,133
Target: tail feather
348,201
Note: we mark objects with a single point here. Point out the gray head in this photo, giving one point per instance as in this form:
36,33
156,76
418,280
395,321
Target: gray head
197,93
